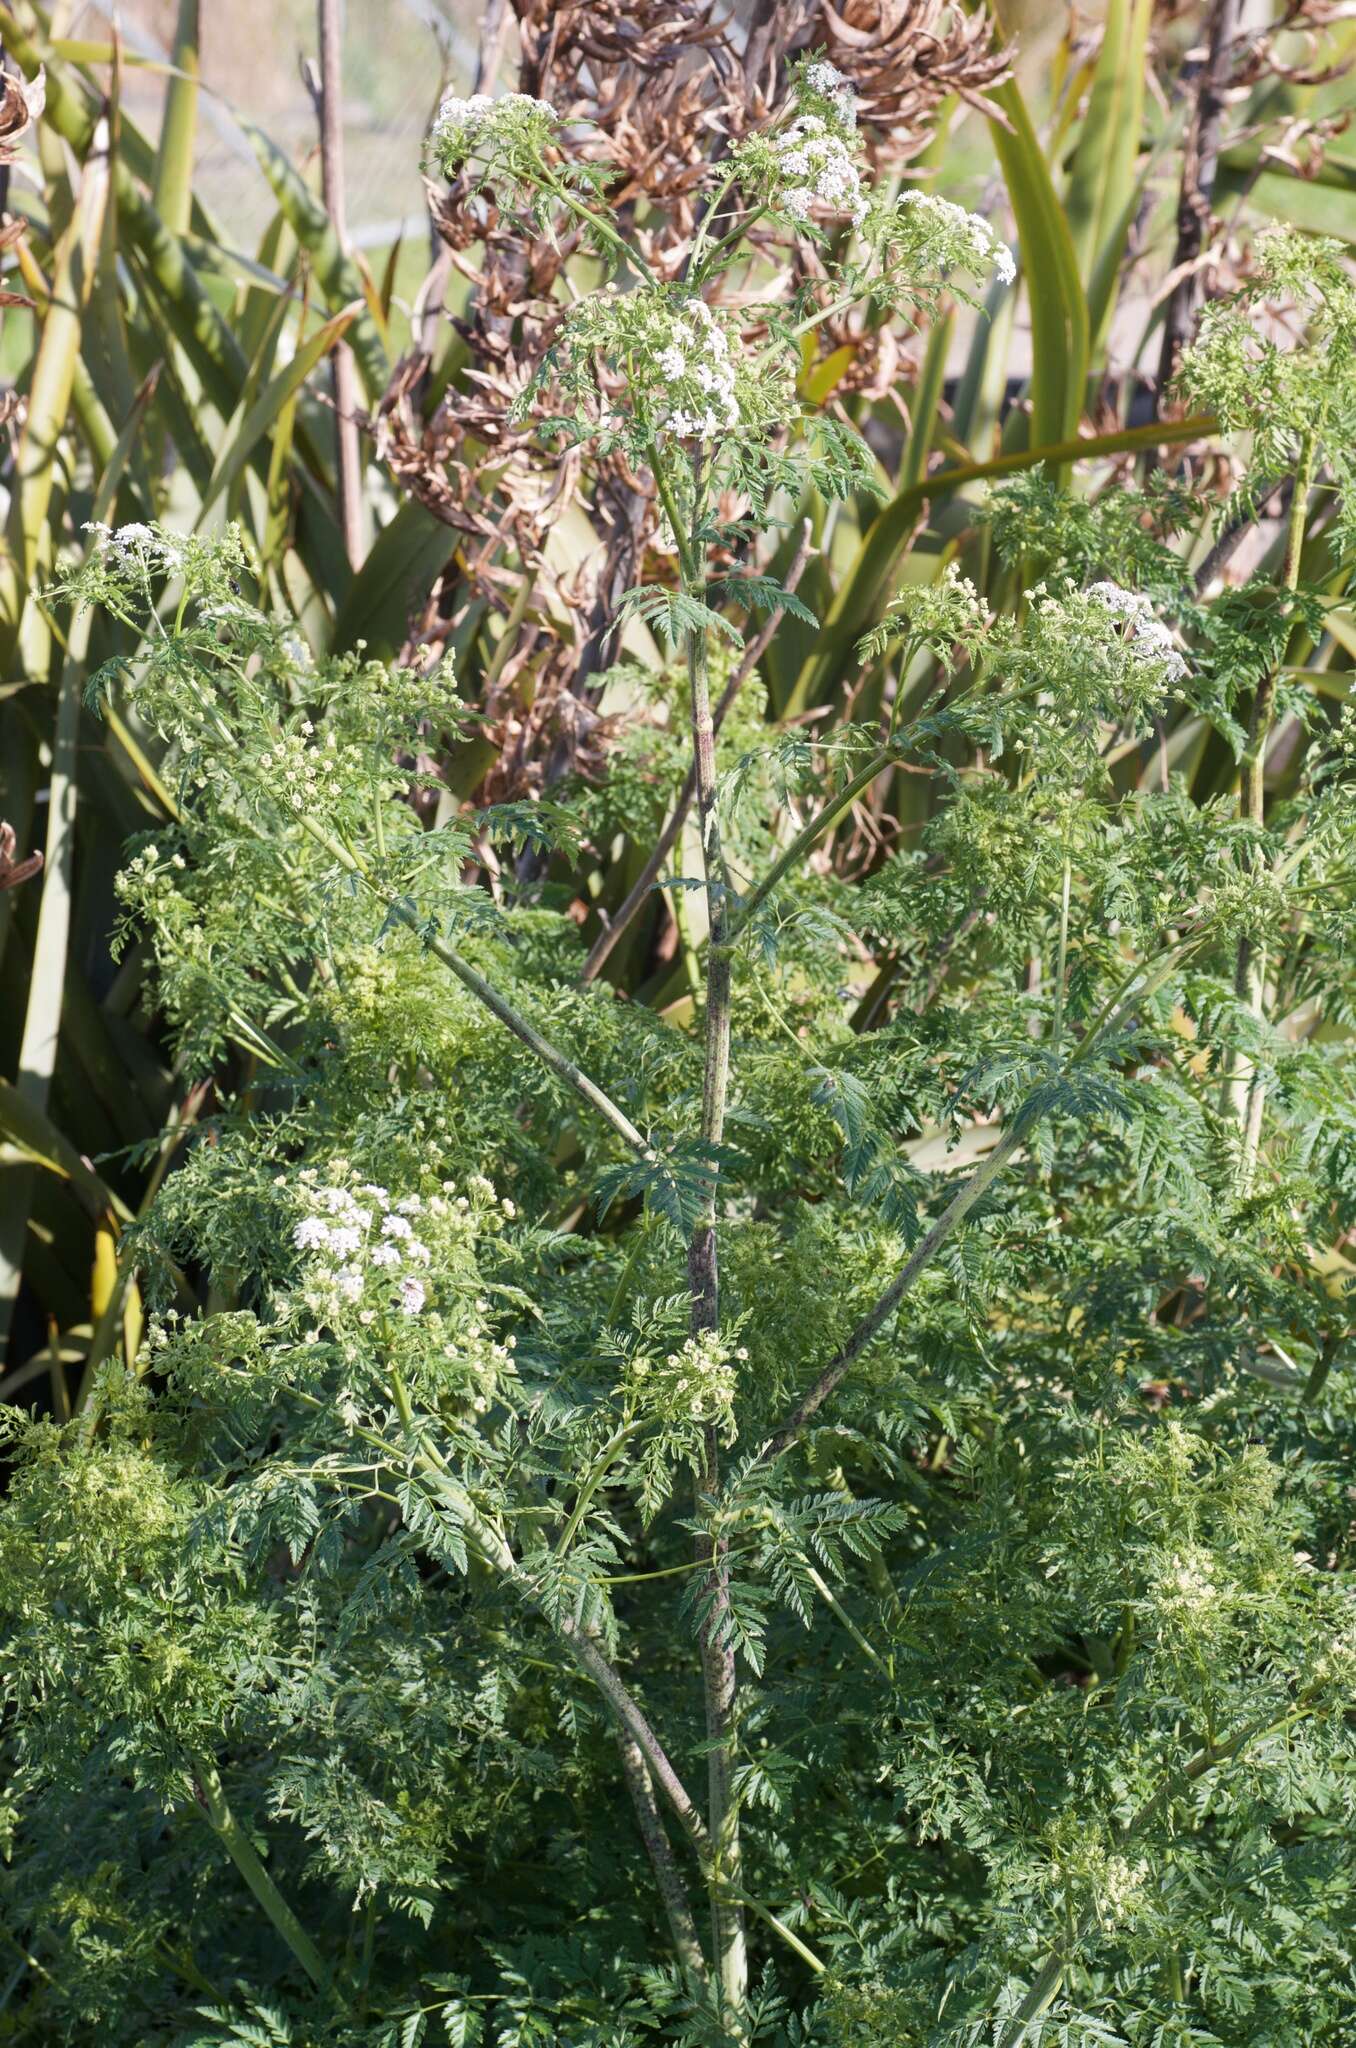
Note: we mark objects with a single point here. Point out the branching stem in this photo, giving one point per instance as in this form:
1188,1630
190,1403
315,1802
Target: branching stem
1046,1984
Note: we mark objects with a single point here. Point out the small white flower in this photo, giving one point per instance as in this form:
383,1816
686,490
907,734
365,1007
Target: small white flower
1148,638
412,1296
396,1226
824,77
310,1234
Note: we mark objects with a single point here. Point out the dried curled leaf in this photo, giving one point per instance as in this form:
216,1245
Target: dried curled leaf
21,102
12,871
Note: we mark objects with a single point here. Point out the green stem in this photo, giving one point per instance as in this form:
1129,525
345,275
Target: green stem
1062,959
779,1927
603,229
842,305
1322,1366
559,1063
607,940
504,645
827,817
918,1261
719,1676
1045,1986
713,208
1246,1090
736,234
1252,792
597,1473
445,1494
210,1797
836,1607
450,1496
823,821
1135,989
687,561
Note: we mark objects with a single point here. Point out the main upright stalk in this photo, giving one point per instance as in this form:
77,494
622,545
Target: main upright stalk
1246,1088
703,1267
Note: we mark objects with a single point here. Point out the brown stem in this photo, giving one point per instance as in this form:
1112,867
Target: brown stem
658,1848
595,1665
330,107
606,942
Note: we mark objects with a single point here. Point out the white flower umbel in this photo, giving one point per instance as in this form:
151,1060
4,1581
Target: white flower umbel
486,129
136,546
944,615
924,237
1146,636
660,363
122,562
693,1385
810,164
816,171
1189,1592
824,81
354,1260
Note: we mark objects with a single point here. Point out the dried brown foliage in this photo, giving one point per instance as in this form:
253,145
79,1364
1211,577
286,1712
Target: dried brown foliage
660,87
21,101
12,870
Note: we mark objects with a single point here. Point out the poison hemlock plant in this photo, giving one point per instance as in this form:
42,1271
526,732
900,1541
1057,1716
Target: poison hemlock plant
737,1527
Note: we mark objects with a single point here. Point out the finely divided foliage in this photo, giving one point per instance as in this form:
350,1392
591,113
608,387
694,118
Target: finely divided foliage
813,1517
